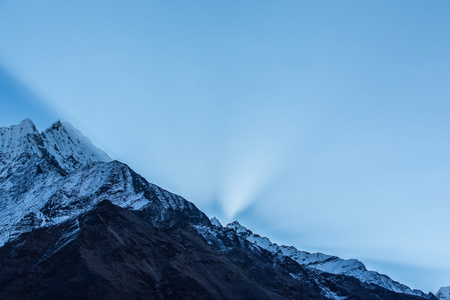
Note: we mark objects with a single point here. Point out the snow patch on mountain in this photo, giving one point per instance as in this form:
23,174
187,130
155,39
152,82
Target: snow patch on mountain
48,178
68,146
19,139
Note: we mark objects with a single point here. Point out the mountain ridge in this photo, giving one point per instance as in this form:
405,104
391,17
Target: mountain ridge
52,178
324,262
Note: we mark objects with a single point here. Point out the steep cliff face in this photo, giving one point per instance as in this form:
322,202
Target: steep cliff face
74,222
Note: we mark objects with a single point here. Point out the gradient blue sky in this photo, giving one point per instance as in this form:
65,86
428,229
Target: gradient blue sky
321,124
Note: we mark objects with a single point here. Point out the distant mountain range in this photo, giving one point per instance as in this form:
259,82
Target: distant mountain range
75,224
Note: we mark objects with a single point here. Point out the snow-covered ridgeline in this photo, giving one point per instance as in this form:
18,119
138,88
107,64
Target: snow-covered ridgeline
47,178
324,262
68,146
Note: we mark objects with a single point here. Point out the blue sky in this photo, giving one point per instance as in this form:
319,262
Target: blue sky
321,124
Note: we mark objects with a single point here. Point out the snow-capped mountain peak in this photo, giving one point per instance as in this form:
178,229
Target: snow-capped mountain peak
67,145
49,177
70,147
18,139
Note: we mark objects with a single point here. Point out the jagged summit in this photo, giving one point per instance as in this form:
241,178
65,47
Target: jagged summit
67,145
10,135
18,139
49,177
70,147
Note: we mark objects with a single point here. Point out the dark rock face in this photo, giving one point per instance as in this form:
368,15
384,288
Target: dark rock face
113,253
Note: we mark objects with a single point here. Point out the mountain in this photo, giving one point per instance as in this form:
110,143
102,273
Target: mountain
76,224
443,293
